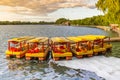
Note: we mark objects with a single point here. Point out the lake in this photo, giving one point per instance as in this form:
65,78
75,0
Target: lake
20,69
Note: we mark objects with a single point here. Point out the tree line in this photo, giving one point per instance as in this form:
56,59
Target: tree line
23,23
95,20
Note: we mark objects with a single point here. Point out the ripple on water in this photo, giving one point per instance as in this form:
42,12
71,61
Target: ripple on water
32,70
116,49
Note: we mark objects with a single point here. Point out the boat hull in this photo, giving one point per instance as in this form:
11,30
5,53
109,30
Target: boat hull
57,56
80,54
18,54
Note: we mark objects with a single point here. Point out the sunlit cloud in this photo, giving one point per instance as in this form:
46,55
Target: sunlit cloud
42,7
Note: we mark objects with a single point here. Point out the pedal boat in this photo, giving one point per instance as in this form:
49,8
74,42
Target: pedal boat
80,47
107,44
38,48
17,47
60,48
98,41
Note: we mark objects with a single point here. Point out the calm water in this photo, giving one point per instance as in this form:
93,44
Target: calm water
15,69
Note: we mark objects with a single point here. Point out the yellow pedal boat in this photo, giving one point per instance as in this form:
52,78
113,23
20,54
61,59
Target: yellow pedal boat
17,46
107,44
60,48
99,44
37,48
80,47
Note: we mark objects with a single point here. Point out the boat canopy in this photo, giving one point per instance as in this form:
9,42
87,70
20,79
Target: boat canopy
100,36
59,39
92,37
21,39
38,39
75,39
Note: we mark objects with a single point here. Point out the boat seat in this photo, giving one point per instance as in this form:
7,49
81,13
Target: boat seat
14,49
62,47
81,49
36,50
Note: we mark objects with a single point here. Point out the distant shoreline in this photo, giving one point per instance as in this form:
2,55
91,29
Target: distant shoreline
25,23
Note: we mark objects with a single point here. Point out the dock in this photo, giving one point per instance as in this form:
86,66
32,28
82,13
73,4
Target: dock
113,39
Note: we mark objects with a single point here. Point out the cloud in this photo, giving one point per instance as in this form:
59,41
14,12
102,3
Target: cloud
42,7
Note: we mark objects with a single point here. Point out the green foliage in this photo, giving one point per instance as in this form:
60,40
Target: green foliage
95,20
61,20
22,23
111,9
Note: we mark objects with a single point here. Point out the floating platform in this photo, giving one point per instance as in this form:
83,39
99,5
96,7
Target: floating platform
113,39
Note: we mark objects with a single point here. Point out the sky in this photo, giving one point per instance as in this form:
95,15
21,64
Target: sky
47,10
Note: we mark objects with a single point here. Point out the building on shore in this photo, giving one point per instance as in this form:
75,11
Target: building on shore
115,28
67,23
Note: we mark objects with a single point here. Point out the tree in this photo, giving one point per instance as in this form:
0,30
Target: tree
111,9
61,20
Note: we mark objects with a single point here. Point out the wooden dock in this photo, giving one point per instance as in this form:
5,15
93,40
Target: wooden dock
113,39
